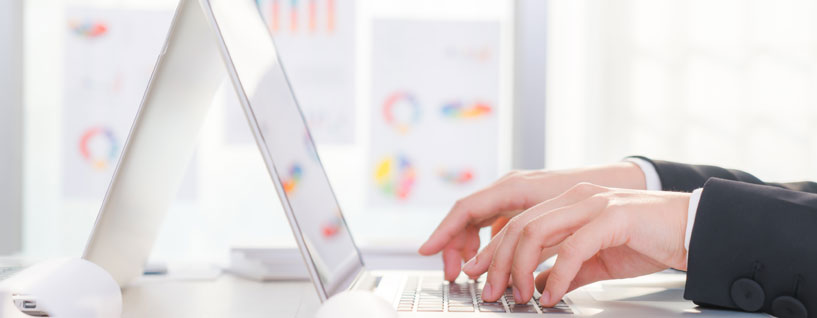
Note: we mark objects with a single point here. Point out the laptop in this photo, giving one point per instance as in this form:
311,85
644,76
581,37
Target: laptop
331,256
211,40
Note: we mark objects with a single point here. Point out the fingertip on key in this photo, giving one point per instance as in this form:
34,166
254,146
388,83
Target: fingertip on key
545,298
517,297
486,291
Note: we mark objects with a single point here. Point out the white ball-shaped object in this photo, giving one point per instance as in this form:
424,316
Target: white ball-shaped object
356,304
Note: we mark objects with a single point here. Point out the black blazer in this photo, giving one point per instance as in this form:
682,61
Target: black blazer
753,244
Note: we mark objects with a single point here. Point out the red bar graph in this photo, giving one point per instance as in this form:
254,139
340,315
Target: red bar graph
330,15
314,15
293,16
275,19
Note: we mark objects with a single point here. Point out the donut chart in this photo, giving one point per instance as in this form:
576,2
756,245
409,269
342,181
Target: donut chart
401,111
100,159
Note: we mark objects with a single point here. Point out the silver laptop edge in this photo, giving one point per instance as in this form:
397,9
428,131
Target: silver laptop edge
265,153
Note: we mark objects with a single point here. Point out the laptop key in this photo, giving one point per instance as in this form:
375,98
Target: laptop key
425,306
556,310
437,309
492,307
523,308
461,309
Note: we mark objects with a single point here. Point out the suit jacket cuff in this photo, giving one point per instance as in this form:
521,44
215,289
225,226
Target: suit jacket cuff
651,178
747,234
692,211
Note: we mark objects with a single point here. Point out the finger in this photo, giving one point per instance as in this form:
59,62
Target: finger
476,208
479,263
547,253
469,252
541,233
541,279
603,232
471,245
498,225
591,271
484,258
452,260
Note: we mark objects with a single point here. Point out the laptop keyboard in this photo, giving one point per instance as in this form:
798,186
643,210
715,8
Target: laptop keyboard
433,294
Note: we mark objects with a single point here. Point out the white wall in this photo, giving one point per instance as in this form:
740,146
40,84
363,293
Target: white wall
11,48
236,180
724,82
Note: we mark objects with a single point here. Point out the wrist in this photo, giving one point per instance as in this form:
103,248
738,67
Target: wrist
623,175
676,207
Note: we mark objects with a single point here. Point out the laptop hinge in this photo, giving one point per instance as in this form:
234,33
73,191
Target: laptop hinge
364,281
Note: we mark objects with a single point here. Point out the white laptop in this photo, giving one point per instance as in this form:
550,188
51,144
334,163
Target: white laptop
211,40
331,256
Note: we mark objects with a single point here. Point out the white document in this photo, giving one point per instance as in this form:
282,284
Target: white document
434,116
109,57
316,43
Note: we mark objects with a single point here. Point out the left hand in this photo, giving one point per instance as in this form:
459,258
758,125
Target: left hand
598,233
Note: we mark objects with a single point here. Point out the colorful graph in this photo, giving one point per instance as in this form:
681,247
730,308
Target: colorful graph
316,18
98,146
458,110
332,227
401,111
88,29
395,176
456,176
292,179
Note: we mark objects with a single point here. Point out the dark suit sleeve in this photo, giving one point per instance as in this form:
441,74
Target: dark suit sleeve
685,177
753,245
754,248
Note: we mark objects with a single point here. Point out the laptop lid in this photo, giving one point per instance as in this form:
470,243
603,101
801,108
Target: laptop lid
286,145
205,36
159,147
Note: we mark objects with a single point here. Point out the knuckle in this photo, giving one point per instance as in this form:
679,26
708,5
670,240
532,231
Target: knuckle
600,200
463,202
461,208
529,231
510,174
493,268
514,225
584,188
511,180
458,205
568,248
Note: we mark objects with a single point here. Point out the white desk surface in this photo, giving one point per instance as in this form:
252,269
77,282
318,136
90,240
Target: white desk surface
232,296
225,296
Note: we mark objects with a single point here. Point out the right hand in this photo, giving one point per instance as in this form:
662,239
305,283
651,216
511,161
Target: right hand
457,236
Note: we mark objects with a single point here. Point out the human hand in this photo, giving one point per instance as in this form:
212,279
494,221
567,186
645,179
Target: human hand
457,236
598,233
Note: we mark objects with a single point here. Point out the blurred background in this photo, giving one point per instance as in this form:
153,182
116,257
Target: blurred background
525,84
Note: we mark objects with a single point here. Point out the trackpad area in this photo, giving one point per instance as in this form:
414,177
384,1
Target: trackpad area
638,294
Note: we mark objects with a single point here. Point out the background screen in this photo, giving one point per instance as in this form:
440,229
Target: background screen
286,143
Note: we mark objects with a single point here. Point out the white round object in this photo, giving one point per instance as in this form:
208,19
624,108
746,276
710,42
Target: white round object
65,287
356,304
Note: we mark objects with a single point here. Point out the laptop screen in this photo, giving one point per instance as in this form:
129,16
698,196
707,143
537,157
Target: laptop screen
287,147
